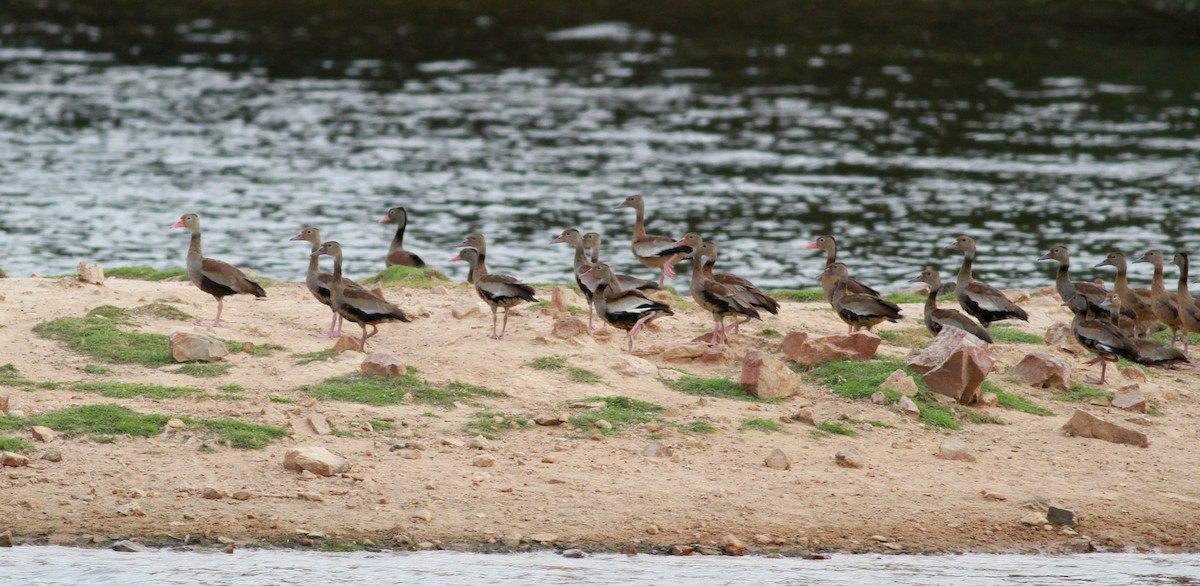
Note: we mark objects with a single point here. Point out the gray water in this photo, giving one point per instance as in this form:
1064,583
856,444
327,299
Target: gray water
56,565
894,132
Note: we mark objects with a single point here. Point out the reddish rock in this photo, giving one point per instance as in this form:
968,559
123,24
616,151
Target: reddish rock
1059,336
684,352
1016,295
569,327
767,377
955,365
1044,371
908,407
989,400
212,493
848,458
187,347
42,434
733,545
1133,373
346,344
315,459
809,350
716,354
383,365
558,300
4,403
13,459
902,383
1130,398
1084,424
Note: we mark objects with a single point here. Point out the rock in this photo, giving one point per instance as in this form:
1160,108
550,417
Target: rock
512,540
1134,373
778,460
767,377
129,547
908,407
803,415
955,449
484,460
1061,516
902,383
42,434
682,550
684,352
656,450
1044,371
316,460
13,460
4,403
569,327
211,493
187,347
345,344
811,351
383,365
52,456
848,458
955,365
733,545
558,299
632,366
573,553
878,398
479,443
1130,398
989,400
175,423
1016,295
543,537
1059,336
6,538
240,495
547,419
131,510
992,496
1084,424
1035,519
89,273
466,308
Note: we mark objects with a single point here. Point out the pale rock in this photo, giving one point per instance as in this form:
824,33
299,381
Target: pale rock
479,443
1084,424
316,460
512,540
175,423
1035,519
1044,371
547,419
574,553
132,509
129,547
1059,336
42,434
52,456
1133,373
569,327
543,538
90,273
900,382
684,352
466,308
733,546
6,538
848,458
4,401
955,365
383,365
212,494
803,415
955,449
345,344
908,407
484,460
187,347
811,351
1130,398
656,450
767,377
1016,295
13,460
878,398
989,400
778,460
240,495
632,366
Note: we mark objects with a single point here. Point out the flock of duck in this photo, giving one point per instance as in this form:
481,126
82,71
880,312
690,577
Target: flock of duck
1113,325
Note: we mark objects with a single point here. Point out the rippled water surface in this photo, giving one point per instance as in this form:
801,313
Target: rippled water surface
56,565
759,130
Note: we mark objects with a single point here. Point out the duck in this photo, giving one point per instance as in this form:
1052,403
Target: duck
396,254
1100,336
829,245
582,265
217,278
656,252
497,290
982,301
1148,352
937,319
1093,292
627,310
357,304
318,281
476,241
858,310
747,291
715,297
1189,312
1166,310
1135,302
591,241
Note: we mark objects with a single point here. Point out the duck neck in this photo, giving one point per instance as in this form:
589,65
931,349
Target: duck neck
314,262
596,254
337,272
581,259
1062,281
1182,291
1157,284
931,300
194,254
830,255
964,272
639,225
708,269
1121,283
398,239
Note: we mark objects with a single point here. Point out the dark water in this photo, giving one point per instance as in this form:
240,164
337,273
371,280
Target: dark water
759,124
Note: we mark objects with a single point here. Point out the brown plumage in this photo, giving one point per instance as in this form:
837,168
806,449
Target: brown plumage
1100,336
319,282
1093,292
1148,352
829,245
858,310
984,302
591,241
656,252
1165,307
1136,303
397,255
717,298
747,292
212,276
937,319
356,304
627,310
582,265
1189,312
497,290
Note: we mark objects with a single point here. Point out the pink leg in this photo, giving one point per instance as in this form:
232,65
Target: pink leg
591,312
341,320
494,336
217,322
637,327
332,326
735,325
504,328
362,342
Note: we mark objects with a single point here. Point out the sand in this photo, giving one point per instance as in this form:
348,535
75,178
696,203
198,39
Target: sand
559,486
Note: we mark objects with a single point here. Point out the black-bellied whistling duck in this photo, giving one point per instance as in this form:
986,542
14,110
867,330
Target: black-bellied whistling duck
497,290
476,241
396,253
1136,302
212,276
829,245
984,302
627,310
1189,313
656,252
748,292
357,304
936,319
1149,353
718,299
591,241
1099,336
582,265
318,281
1066,288
1165,307
858,310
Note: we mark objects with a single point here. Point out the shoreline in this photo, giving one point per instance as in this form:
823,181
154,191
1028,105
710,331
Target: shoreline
555,487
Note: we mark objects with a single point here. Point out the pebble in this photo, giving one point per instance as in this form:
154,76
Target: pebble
212,493
574,553
52,456
130,547
484,461
778,460
848,458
